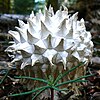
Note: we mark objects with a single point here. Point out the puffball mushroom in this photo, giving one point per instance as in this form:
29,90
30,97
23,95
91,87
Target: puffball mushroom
54,38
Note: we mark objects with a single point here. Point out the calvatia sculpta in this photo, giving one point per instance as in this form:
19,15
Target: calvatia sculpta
54,38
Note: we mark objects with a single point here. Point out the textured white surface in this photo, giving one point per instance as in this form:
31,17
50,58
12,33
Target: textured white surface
56,37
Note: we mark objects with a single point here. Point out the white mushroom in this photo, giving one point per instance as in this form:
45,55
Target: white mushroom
55,37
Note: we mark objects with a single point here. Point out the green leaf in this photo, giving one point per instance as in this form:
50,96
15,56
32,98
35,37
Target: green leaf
75,80
36,79
1,81
60,76
29,92
40,92
55,88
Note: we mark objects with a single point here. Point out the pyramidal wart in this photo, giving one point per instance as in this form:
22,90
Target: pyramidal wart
52,39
